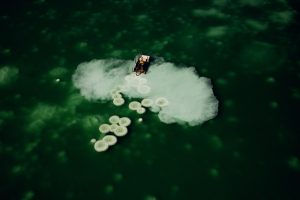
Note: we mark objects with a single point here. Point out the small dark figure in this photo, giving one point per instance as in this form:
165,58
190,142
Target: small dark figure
142,64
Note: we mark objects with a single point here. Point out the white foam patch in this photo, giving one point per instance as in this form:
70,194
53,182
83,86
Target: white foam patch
190,97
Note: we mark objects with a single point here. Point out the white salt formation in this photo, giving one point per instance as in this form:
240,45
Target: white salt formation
104,128
140,120
180,94
155,108
93,140
120,131
142,80
100,146
141,110
114,119
97,78
118,101
134,105
113,127
116,95
116,90
143,89
110,140
147,102
161,102
124,121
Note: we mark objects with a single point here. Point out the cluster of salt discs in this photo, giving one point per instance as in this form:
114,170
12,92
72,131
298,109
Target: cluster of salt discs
104,143
118,126
116,95
139,107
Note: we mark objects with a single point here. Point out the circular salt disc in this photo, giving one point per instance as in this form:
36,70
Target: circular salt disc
114,119
147,102
100,146
116,95
161,102
118,101
141,110
93,140
120,131
110,139
104,128
124,121
113,127
116,91
134,105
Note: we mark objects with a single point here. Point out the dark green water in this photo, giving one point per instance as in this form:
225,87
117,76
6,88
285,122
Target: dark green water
250,50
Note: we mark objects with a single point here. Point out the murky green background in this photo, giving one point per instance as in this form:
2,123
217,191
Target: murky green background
250,50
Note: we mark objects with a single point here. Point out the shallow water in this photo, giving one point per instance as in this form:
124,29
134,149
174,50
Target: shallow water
250,50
